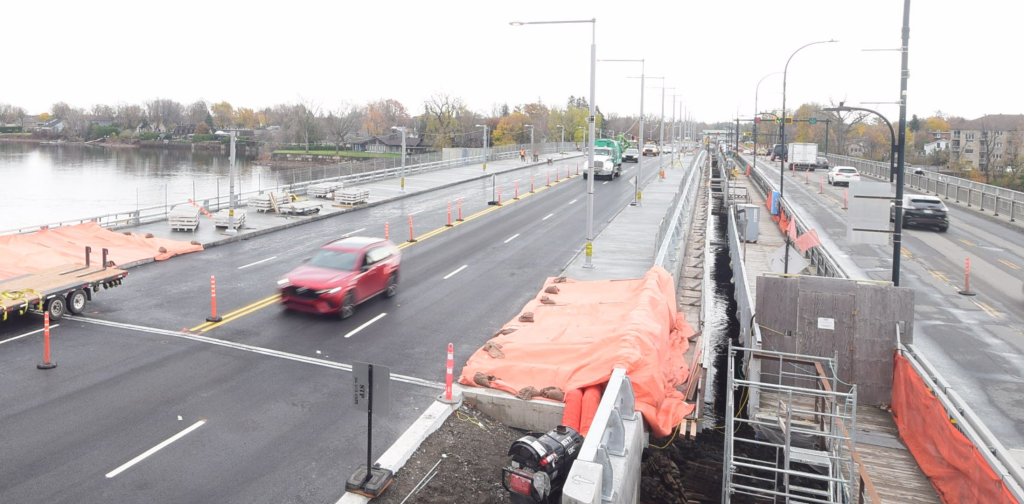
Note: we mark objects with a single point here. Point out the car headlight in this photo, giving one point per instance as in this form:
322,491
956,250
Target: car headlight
284,283
329,291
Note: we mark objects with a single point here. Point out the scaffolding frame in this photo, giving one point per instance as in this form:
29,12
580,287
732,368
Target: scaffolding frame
809,428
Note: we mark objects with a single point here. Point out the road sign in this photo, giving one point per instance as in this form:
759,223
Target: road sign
789,120
361,392
813,120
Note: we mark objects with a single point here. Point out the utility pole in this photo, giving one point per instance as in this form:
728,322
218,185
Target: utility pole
231,188
897,237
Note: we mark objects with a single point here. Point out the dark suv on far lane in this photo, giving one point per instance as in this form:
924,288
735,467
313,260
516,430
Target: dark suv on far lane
922,210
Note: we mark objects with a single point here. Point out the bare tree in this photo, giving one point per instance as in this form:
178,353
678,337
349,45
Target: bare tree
341,123
196,112
129,116
305,118
100,110
841,124
986,149
443,113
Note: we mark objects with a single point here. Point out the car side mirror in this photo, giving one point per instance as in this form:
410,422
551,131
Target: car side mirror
306,260
366,267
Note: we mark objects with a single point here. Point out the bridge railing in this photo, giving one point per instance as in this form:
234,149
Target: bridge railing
157,213
984,197
673,231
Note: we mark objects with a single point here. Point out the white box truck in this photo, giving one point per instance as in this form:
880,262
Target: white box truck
802,156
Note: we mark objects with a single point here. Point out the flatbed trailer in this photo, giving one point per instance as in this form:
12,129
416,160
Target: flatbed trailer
58,290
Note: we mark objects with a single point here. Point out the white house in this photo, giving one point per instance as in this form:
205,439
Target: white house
938,145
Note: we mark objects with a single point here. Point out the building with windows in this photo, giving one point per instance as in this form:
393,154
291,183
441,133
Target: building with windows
991,141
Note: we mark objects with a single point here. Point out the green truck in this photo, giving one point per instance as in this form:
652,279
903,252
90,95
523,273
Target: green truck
607,159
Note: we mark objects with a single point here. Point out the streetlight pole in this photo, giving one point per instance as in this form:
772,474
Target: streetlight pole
531,138
484,126
757,110
588,262
782,159
231,189
561,144
403,130
897,237
640,144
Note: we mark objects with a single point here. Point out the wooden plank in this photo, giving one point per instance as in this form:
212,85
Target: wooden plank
51,280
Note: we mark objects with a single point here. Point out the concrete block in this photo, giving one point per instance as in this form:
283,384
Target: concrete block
583,485
535,415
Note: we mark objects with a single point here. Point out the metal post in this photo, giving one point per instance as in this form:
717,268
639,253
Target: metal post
828,123
403,159
640,144
231,188
590,154
897,237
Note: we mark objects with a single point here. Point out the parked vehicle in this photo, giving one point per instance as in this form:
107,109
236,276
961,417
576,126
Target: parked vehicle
822,163
58,290
341,275
651,150
802,156
607,159
922,210
843,175
631,155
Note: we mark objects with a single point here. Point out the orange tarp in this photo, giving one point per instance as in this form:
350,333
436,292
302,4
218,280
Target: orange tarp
590,329
952,463
47,248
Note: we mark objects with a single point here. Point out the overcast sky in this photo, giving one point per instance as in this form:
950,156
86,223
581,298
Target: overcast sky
964,56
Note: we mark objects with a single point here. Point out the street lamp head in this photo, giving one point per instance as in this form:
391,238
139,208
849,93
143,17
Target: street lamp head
516,23
480,126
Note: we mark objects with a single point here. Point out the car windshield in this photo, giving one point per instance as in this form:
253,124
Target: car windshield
335,259
603,152
847,170
630,151
927,203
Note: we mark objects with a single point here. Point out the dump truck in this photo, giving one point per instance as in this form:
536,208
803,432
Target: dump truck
607,159
58,290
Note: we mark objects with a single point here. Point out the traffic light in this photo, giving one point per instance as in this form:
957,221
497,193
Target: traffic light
757,120
789,120
778,120
812,120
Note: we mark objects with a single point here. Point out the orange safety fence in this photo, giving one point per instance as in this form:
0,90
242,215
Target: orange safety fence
573,334
48,248
956,469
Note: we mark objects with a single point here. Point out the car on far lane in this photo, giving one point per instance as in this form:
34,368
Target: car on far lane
922,210
342,274
821,163
651,150
631,155
843,175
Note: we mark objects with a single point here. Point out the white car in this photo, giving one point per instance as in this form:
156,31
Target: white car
843,175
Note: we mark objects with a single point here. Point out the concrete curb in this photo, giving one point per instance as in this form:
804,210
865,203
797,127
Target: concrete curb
315,218
407,444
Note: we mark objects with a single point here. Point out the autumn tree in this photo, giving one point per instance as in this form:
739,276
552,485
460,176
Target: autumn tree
196,112
246,118
841,122
538,114
443,114
129,116
511,129
223,114
163,112
202,129
382,114
10,114
342,122
100,110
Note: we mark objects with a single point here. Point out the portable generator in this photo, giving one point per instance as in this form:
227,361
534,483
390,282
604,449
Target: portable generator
540,465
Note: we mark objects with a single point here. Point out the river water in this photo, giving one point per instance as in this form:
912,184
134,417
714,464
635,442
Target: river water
41,184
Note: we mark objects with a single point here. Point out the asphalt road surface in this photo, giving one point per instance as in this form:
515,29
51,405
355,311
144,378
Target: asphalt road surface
149,403
976,342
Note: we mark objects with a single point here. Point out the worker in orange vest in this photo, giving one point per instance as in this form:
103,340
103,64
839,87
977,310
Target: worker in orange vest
522,155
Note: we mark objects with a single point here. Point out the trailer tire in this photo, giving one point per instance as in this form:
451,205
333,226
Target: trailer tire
56,307
76,302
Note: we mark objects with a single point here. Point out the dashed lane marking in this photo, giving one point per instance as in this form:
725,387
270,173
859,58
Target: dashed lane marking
365,325
449,275
155,449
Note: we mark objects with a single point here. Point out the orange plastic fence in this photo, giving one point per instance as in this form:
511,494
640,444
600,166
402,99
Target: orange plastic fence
586,329
47,248
956,469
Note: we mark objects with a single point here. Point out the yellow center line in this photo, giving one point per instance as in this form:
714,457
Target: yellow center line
967,242
906,253
989,310
1009,264
939,275
270,300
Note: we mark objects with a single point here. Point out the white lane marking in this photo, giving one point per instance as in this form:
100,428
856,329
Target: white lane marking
604,183
37,331
258,262
250,348
418,211
350,233
449,275
155,449
512,238
571,202
548,216
367,323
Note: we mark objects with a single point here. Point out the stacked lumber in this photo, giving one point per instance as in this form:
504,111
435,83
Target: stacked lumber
183,218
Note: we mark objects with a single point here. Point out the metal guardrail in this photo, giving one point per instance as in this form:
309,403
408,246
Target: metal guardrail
672,232
750,333
819,256
607,438
967,422
157,213
985,197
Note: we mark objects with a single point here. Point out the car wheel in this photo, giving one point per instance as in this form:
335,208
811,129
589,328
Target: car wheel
392,287
584,175
348,306
56,307
76,302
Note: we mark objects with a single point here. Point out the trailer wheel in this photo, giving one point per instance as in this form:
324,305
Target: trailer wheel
76,302
56,306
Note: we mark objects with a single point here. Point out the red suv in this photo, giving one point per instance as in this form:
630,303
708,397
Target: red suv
342,275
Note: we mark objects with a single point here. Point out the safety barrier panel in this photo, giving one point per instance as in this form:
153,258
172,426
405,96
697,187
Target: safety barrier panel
673,230
608,466
984,197
819,256
156,213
